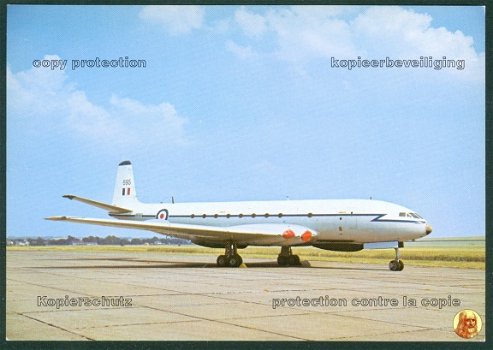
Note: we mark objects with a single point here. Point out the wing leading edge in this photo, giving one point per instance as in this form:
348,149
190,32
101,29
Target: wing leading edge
268,234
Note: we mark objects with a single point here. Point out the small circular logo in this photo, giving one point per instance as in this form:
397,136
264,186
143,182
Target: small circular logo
162,214
467,324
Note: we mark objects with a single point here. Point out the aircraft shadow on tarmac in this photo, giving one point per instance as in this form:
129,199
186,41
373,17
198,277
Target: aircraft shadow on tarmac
160,264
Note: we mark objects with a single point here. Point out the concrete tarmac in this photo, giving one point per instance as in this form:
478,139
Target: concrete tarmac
68,295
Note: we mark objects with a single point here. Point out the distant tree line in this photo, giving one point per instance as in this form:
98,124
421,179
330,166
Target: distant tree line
94,240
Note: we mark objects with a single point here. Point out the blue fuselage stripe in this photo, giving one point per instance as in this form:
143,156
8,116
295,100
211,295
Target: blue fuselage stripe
378,217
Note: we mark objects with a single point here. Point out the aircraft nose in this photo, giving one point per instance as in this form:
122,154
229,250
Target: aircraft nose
428,229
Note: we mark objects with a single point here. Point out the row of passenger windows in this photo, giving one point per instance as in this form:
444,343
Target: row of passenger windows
280,215
410,215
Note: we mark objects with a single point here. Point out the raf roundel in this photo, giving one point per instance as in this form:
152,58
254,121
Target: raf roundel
162,214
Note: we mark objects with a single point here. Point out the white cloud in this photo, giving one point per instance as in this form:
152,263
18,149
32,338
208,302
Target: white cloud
176,19
252,24
400,31
157,122
41,82
89,120
41,98
240,51
301,34
221,26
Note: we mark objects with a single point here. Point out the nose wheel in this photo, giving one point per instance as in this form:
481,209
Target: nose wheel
231,258
287,258
397,264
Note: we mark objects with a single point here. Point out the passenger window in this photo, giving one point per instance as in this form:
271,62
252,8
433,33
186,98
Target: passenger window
266,215
280,215
310,215
204,216
240,216
192,216
254,215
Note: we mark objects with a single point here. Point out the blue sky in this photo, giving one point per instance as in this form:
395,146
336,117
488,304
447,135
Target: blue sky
243,103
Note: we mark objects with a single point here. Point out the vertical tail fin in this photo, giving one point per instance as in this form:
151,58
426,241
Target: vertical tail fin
125,193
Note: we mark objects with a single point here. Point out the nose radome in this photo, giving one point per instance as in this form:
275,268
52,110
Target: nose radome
428,229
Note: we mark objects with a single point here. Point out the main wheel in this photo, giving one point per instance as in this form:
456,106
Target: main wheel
221,260
401,265
297,260
234,261
238,259
282,260
394,265
294,260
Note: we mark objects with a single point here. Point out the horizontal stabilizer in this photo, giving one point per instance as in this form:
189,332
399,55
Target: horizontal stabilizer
105,206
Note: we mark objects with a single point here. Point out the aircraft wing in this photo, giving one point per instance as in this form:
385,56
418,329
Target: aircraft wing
108,207
266,234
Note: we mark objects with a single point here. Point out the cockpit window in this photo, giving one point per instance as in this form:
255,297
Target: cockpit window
410,215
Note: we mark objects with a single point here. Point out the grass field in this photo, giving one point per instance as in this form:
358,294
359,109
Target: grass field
459,253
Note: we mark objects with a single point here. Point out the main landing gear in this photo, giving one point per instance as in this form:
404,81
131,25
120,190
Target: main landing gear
396,264
286,257
231,258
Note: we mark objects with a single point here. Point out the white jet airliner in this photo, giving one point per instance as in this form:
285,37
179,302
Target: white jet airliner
339,225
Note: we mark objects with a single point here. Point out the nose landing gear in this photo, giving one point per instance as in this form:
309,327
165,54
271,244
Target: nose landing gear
397,264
